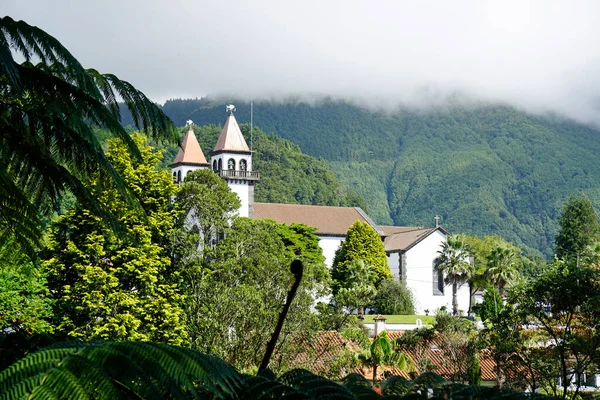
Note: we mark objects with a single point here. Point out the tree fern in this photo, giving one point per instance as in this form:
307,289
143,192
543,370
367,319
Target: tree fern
48,113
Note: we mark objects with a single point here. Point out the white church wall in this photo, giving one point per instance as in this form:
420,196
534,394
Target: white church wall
241,189
419,277
329,245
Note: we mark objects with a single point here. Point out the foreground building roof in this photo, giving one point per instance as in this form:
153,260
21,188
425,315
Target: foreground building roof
329,220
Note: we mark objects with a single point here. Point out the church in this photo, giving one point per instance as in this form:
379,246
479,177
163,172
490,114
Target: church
411,251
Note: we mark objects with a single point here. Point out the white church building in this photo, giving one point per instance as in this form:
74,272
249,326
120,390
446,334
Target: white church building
411,251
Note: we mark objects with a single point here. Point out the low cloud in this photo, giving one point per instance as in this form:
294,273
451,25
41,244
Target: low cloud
541,56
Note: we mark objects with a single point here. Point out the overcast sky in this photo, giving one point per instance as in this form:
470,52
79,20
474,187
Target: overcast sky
538,55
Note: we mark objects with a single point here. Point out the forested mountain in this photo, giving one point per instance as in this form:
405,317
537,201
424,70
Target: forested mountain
484,170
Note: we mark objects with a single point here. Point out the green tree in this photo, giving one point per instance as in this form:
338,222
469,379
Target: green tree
24,304
359,288
453,262
502,267
381,353
234,306
457,340
119,287
418,342
579,229
361,243
208,204
564,303
393,298
48,146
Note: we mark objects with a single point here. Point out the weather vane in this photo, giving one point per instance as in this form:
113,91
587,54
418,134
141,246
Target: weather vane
189,122
230,109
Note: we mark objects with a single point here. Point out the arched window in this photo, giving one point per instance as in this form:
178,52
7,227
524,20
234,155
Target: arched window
179,176
243,165
438,282
174,176
215,165
220,165
231,164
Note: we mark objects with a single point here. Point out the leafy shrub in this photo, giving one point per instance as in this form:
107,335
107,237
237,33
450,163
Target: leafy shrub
394,298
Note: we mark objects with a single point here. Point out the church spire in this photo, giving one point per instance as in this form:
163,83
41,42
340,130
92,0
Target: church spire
231,139
190,153
190,157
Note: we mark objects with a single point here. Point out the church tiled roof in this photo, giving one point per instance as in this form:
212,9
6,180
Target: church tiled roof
329,220
231,138
402,238
190,152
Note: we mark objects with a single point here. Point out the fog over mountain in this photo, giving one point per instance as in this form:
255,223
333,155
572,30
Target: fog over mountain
537,55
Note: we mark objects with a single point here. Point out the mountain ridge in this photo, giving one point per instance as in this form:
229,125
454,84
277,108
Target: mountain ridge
485,170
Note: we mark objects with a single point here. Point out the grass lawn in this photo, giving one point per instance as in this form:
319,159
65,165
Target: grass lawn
403,319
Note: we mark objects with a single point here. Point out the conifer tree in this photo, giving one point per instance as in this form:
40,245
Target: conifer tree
361,243
118,287
579,229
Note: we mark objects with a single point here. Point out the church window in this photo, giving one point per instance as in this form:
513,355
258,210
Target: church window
243,165
179,176
174,176
215,165
438,282
231,164
220,167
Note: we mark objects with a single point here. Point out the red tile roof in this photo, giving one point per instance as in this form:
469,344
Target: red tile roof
328,345
332,221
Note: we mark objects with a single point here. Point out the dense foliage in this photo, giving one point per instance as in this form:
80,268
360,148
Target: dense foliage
393,298
118,287
134,370
234,298
486,170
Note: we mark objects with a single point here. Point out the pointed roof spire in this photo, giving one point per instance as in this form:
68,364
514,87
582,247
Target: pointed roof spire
231,139
190,153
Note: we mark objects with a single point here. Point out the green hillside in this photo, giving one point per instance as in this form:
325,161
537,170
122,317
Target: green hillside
484,170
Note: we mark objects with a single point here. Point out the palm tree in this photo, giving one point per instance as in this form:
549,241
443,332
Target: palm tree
502,267
381,353
49,112
453,262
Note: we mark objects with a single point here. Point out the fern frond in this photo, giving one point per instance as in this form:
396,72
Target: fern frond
108,370
48,113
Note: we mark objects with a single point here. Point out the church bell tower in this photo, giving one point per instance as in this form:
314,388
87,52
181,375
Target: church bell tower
232,160
190,156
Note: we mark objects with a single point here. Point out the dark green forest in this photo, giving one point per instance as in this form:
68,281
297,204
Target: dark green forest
485,170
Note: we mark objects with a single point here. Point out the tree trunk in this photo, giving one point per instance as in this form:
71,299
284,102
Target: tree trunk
454,298
361,312
374,374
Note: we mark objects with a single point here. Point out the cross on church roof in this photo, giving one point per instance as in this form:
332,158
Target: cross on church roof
437,221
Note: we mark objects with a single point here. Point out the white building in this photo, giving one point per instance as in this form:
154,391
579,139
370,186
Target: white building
411,251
